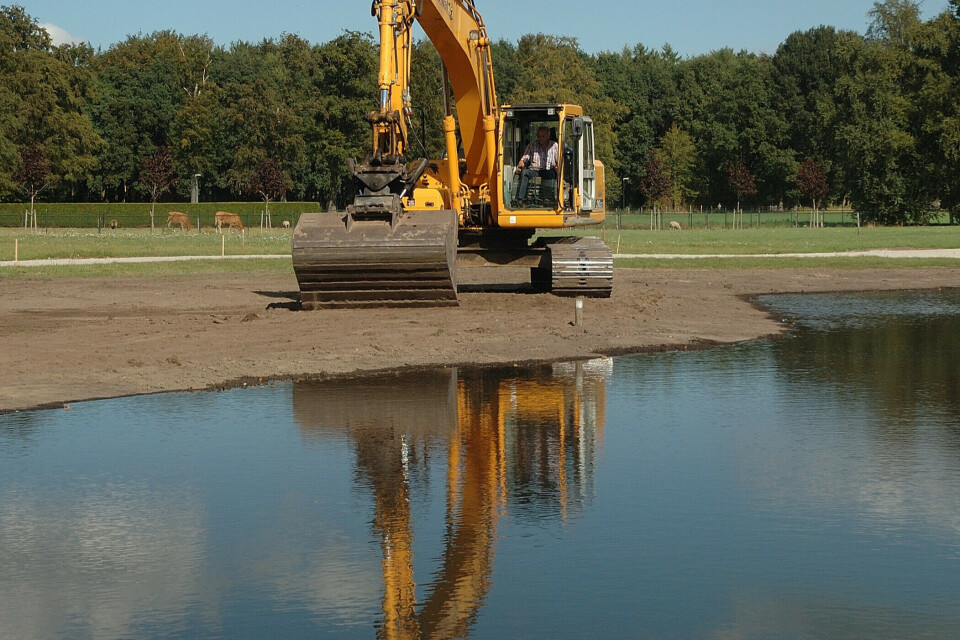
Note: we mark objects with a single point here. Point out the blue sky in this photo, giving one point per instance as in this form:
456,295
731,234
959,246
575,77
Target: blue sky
691,27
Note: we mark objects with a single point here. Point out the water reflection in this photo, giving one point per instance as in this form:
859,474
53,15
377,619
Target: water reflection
532,436
897,353
796,488
123,555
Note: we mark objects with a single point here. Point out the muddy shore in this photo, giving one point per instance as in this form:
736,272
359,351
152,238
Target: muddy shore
68,340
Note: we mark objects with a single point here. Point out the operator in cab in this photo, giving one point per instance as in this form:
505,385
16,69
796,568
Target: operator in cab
539,159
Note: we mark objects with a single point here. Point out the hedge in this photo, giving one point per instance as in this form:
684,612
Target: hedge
137,214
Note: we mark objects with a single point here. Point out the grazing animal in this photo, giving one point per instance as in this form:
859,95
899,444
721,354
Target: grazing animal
674,225
286,224
232,221
175,217
114,224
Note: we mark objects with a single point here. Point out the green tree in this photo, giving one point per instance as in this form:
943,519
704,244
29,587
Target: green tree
731,112
506,68
347,88
555,70
42,95
194,132
677,154
642,82
877,151
805,76
894,23
936,98
137,96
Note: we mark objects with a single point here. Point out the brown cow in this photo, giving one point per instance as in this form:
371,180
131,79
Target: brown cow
175,217
232,221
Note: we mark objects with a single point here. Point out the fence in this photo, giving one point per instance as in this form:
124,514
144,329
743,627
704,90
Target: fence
726,219
133,215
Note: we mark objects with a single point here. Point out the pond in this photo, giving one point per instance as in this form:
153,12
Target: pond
797,488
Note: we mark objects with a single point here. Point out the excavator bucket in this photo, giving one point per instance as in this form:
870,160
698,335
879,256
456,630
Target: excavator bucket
350,260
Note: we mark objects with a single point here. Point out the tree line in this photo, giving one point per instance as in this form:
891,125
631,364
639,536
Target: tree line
869,120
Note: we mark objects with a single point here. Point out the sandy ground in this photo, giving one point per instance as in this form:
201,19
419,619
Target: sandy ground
67,340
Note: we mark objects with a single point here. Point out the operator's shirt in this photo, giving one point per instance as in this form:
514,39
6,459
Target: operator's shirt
541,158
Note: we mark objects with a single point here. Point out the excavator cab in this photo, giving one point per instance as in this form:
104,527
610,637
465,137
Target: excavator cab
540,191
520,130
570,191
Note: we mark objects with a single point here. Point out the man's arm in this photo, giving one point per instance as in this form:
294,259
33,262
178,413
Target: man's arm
525,158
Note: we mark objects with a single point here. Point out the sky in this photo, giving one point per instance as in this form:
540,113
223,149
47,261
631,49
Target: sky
690,27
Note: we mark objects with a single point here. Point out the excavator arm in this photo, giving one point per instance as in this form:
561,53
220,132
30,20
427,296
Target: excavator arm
457,31
387,249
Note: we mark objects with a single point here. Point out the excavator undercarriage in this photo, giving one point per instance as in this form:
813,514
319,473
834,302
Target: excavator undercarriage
348,259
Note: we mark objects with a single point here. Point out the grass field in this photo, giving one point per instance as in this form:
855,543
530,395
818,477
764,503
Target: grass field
778,240
87,243
123,243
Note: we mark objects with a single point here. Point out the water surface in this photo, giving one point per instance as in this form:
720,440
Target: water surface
807,487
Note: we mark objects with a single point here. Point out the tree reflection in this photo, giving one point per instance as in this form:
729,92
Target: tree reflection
904,366
521,440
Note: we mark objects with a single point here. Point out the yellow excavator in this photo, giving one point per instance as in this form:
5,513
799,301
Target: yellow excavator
413,220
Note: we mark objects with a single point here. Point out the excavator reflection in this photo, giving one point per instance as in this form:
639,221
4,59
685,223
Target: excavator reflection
514,441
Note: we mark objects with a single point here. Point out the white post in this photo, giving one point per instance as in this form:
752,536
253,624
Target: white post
578,313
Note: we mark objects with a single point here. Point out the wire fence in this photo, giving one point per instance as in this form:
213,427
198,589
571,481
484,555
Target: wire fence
647,219
252,214
137,215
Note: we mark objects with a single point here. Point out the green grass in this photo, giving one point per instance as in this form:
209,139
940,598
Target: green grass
786,263
120,243
124,243
778,240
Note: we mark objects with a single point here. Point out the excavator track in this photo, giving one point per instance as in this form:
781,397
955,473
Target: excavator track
580,266
350,260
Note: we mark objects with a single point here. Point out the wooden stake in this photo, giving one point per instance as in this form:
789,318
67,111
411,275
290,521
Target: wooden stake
223,244
16,250
578,313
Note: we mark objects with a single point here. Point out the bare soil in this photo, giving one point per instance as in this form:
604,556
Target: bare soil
74,339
